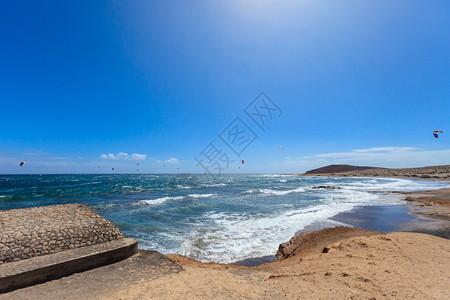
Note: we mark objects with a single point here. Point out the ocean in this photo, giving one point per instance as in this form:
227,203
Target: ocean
221,219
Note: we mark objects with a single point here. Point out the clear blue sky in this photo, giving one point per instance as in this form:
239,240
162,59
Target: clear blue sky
360,82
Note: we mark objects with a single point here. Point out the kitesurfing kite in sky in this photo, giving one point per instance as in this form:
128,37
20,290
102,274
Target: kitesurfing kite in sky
435,133
242,161
282,148
21,163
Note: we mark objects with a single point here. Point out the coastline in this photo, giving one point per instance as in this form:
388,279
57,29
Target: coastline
339,262
416,214
422,211
405,223
440,173
357,263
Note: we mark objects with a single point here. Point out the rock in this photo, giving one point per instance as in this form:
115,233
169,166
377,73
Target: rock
282,250
316,242
326,187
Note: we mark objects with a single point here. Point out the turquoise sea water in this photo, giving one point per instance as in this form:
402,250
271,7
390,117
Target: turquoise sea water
222,219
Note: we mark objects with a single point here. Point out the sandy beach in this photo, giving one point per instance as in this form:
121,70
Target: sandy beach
392,266
358,264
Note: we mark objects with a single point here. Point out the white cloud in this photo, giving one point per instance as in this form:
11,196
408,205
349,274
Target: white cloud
34,153
393,157
386,149
108,156
136,156
358,153
123,155
172,160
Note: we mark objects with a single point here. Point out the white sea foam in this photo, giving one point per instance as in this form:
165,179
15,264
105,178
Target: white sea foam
272,192
197,196
230,237
395,184
281,192
184,187
275,175
164,199
226,237
159,200
214,185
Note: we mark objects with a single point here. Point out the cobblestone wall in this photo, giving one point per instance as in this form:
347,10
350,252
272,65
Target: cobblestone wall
35,231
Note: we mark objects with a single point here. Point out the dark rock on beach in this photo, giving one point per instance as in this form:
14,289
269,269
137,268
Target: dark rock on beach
315,242
326,187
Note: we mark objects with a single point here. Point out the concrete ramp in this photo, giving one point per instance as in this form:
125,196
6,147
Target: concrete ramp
40,269
38,244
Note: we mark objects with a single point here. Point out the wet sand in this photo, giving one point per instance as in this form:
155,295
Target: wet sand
379,218
407,218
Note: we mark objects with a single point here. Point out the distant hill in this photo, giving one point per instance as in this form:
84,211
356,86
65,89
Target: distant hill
337,169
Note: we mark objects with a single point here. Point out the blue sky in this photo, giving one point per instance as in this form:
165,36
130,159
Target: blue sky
87,86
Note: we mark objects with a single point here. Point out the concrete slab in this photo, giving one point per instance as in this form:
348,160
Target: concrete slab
102,282
39,269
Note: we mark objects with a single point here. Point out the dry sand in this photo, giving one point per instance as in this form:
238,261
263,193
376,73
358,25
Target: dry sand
374,266
384,266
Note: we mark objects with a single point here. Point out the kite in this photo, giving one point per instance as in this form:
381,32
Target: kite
282,148
137,164
435,133
242,161
21,163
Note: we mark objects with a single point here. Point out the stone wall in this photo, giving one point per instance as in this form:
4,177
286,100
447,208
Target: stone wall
30,232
